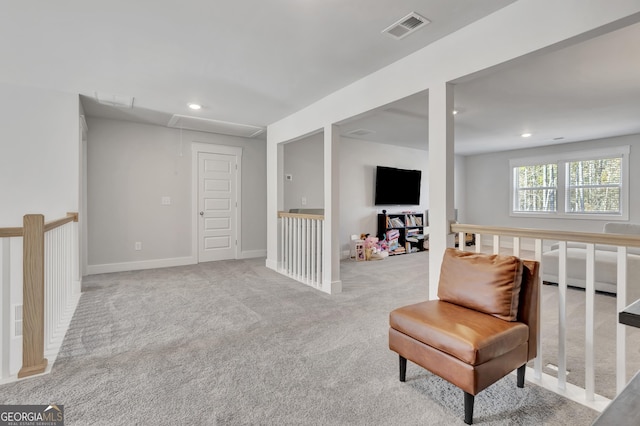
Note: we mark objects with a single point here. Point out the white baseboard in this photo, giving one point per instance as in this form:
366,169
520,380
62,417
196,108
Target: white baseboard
250,254
271,264
143,264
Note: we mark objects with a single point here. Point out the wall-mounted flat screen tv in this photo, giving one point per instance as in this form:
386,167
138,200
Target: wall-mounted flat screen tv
397,186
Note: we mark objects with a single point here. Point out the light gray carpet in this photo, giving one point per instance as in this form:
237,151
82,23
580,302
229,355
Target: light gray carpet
233,343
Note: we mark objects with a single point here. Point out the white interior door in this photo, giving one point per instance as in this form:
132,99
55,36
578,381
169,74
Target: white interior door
217,206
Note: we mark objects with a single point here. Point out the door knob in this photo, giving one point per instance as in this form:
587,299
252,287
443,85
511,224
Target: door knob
201,213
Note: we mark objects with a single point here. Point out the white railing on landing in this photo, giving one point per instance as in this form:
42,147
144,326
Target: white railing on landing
40,288
300,249
586,395
61,284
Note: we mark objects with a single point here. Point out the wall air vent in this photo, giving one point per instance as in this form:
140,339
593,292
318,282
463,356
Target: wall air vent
405,26
214,126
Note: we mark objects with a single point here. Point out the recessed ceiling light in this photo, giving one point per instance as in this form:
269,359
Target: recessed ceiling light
195,106
526,135
455,111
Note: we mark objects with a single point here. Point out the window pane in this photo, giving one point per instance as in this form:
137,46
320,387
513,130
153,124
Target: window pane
594,186
536,188
537,176
594,200
536,200
595,172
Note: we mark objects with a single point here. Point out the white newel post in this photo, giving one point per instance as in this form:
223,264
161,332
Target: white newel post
441,175
331,237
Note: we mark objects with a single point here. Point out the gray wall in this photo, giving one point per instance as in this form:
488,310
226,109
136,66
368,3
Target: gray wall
131,166
304,160
488,187
40,153
358,160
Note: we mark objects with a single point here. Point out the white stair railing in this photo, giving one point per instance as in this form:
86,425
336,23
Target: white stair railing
61,284
586,395
300,248
40,288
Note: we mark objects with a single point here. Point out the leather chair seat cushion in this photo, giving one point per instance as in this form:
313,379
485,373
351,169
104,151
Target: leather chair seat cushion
471,336
486,283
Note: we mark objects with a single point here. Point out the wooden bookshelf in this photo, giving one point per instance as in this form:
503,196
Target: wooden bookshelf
403,231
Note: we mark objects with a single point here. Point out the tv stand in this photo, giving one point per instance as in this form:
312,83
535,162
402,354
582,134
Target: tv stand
403,231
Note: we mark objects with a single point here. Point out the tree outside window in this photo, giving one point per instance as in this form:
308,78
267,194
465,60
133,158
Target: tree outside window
579,184
536,188
594,186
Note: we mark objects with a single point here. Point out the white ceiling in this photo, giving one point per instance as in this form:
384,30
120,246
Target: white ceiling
586,91
254,62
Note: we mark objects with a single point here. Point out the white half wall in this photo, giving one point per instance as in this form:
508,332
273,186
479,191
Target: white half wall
131,166
488,187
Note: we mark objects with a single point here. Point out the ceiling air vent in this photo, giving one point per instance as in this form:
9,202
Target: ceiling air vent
121,101
214,126
406,26
359,132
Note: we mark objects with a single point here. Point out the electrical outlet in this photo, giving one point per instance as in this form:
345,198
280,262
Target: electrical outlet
304,201
165,201
138,246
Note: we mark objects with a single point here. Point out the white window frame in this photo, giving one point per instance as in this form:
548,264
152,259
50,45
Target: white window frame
562,159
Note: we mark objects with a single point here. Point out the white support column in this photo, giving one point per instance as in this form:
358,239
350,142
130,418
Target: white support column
331,246
275,159
441,167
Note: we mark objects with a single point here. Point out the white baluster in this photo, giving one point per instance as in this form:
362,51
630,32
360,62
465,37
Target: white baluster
621,332
478,243
562,314
537,362
516,246
590,291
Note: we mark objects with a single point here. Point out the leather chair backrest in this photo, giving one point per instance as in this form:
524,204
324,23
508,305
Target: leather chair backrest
488,283
529,300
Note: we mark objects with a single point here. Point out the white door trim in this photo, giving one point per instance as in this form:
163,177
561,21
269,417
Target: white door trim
196,148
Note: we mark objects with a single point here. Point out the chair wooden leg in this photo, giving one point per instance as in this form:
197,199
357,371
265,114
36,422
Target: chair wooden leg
403,368
468,408
521,371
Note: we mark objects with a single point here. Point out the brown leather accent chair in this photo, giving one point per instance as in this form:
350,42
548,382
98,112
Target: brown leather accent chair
484,325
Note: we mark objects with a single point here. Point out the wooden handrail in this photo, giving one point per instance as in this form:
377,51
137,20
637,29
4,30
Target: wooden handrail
48,226
546,234
71,217
10,232
301,215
